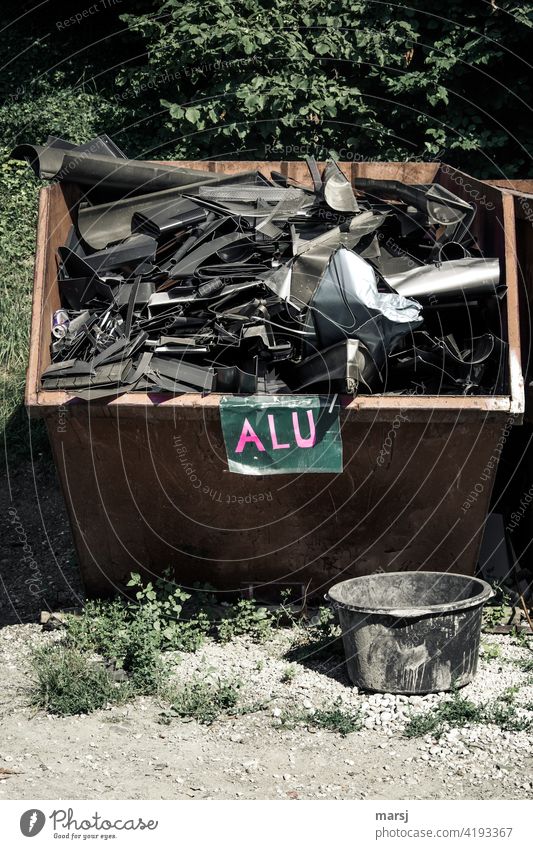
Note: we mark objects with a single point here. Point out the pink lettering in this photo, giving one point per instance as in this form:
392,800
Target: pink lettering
273,435
248,435
310,441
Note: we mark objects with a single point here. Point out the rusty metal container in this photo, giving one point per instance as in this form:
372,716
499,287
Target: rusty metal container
136,502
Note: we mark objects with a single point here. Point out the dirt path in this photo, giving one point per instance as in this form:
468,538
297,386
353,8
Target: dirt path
37,561
129,755
126,752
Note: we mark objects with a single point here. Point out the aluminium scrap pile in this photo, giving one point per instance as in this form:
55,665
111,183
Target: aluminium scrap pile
178,280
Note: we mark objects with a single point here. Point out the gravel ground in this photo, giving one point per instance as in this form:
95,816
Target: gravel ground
126,752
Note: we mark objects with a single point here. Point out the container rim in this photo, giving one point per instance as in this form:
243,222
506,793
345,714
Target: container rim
486,592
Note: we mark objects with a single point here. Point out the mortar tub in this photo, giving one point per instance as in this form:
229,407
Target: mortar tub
410,632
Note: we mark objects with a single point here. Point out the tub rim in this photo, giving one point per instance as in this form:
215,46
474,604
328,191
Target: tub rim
486,592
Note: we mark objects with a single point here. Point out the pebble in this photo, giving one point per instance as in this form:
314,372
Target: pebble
477,753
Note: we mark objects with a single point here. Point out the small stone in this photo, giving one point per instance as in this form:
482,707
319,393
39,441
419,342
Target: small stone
276,713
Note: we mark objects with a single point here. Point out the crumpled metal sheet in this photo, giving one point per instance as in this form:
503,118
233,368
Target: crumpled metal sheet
338,192
313,255
348,304
177,280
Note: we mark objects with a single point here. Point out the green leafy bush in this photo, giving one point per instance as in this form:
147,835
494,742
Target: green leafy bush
363,79
162,603
246,619
132,634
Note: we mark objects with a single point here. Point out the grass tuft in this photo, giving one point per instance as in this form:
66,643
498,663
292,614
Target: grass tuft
334,718
67,682
458,712
204,701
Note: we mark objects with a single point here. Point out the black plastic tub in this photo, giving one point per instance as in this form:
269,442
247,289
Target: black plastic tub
411,632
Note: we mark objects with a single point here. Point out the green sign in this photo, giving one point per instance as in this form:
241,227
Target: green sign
281,435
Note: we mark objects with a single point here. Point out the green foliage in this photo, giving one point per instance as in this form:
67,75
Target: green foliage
67,682
318,640
491,651
458,712
324,625
509,694
520,637
253,80
124,635
454,713
133,633
162,604
498,610
507,718
18,202
361,79
289,674
421,724
334,718
246,619
204,701
525,664
46,87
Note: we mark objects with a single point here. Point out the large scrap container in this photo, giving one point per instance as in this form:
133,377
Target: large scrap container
133,503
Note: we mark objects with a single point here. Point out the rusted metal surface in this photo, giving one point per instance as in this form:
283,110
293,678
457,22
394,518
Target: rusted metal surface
153,492
521,195
125,465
